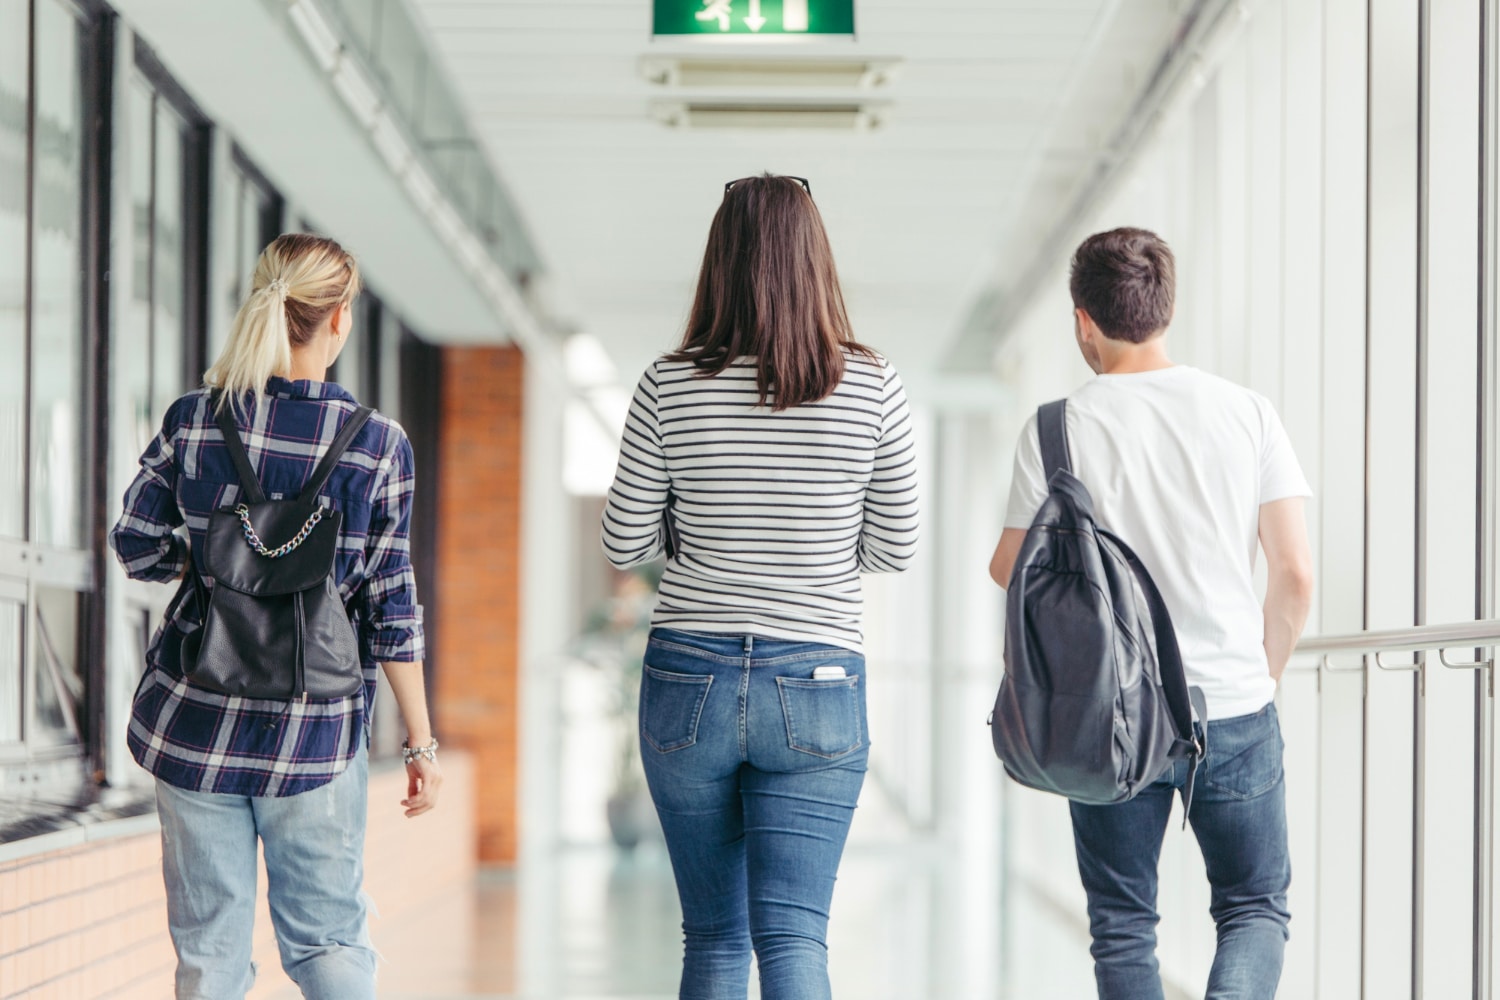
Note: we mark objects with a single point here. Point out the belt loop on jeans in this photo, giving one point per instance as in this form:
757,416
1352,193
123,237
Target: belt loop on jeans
749,644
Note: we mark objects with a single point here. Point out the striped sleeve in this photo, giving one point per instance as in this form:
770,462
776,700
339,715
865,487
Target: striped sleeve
632,524
144,539
888,537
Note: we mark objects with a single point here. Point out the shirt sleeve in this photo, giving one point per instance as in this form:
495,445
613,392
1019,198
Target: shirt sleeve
393,619
145,539
1281,475
631,529
888,537
1028,481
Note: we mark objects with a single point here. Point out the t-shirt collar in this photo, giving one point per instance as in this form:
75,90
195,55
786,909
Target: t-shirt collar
1171,371
306,388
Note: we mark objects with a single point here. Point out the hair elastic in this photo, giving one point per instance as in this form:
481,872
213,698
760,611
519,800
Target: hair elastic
279,286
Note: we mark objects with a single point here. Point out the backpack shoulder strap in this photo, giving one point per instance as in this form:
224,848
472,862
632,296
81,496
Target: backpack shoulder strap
224,417
1052,432
1188,707
336,450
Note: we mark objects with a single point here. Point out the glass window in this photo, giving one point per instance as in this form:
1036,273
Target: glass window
50,245
57,344
57,666
169,376
156,346
12,655
257,221
13,73
389,369
133,428
248,247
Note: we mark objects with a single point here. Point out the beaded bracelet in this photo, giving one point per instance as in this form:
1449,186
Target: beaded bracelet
409,754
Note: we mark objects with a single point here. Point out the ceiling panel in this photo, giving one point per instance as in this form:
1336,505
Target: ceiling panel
983,112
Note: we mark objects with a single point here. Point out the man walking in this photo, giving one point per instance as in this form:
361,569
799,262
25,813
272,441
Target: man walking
1190,470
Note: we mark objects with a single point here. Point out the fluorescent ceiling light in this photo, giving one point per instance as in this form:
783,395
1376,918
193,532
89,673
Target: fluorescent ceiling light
316,31
421,189
744,72
853,116
392,143
362,97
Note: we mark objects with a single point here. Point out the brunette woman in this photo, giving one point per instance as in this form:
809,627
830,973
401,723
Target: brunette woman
772,457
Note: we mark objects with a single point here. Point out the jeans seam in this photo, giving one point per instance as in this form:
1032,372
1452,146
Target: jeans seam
744,710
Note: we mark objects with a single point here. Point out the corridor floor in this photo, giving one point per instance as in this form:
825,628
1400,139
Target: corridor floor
599,925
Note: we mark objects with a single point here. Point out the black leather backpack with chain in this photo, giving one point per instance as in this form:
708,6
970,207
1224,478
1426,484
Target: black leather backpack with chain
275,626
1095,703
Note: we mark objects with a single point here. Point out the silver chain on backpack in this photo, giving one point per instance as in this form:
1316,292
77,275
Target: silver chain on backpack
291,546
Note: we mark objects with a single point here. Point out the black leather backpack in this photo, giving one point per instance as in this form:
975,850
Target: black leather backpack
1094,704
275,626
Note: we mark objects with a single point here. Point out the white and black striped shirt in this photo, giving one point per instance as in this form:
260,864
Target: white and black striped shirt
777,513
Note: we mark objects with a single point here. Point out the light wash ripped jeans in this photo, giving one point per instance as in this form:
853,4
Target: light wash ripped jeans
314,846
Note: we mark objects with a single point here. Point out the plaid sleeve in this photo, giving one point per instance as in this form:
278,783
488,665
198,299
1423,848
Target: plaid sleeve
144,539
394,618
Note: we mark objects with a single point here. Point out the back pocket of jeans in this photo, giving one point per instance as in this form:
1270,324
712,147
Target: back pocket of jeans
822,716
670,707
1244,758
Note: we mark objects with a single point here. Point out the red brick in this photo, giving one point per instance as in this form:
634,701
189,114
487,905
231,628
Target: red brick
476,634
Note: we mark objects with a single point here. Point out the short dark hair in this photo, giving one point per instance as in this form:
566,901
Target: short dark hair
1126,280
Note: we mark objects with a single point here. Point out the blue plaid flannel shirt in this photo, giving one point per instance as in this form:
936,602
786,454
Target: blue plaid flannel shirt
209,742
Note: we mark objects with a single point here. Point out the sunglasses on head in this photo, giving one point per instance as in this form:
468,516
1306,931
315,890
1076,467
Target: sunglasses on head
800,180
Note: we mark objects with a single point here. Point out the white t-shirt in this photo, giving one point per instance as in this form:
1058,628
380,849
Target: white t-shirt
1179,463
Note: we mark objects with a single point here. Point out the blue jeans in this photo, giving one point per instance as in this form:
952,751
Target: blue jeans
755,768
1239,818
314,848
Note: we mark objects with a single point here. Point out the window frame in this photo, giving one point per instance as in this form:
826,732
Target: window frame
30,764
197,178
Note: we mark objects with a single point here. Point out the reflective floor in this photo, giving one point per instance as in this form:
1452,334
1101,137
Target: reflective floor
611,931
915,916
925,907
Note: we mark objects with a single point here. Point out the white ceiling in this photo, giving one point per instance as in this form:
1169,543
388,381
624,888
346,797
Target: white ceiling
996,103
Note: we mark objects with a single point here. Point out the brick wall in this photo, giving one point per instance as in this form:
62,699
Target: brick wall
90,922
477,626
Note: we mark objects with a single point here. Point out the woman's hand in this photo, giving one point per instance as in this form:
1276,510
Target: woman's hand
424,778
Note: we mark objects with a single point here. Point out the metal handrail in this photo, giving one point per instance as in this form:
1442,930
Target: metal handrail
1417,638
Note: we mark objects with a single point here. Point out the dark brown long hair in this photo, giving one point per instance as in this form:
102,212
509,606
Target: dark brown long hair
769,291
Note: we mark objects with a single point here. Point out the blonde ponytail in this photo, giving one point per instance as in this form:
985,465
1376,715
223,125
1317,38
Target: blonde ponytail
299,281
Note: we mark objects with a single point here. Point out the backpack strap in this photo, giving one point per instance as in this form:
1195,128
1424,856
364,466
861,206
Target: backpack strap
1052,432
330,461
224,417
1188,706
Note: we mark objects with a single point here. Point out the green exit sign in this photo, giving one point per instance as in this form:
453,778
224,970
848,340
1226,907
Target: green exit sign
753,17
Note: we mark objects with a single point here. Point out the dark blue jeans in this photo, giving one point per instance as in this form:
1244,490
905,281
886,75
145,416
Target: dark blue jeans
755,768
1239,818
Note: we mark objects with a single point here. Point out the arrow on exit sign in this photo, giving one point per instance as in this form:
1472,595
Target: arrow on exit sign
753,17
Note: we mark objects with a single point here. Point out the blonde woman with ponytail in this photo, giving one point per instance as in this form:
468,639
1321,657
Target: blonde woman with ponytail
234,773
